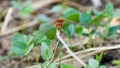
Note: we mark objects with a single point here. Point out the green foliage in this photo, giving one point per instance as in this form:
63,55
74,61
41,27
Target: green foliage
38,37
52,65
99,57
73,17
24,10
71,30
109,9
21,44
117,13
18,48
48,30
56,8
84,18
92,63
68,14
46,53
69,11
65,65
65,28
102,66
78,30
71,14
29,49
68,29
96,21
117,62
112,30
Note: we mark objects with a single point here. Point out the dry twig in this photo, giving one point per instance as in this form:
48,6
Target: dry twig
35,6
93,49
15,29
7,19
40,4
54,55
82,56
69,51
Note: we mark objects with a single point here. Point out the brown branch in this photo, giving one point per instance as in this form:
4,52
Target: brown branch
69,51
15,29
93,49
7,19
40,4
54,55
82,56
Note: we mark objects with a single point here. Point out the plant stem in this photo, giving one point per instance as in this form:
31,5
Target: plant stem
22,60
54,55
69,51
36,57
90,39
60,58
28,59
93,49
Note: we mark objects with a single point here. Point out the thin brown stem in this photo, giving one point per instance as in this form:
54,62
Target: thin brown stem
54,55
69,51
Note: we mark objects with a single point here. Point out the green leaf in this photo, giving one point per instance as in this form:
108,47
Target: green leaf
22,38
52,65
73,17
47,41
18,48
84,18
78,30
66,66
29,49
65,28
117,62
71,30
27,39
46,53
48,30
117,13
44,28
26,9
56,8
17,37
68,11
20,44
93,63
51,33
102,66
38,37
71,14
109,9
96,21
99,57
112,30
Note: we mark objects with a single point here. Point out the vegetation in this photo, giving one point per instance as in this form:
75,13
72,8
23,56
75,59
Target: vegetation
74,25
